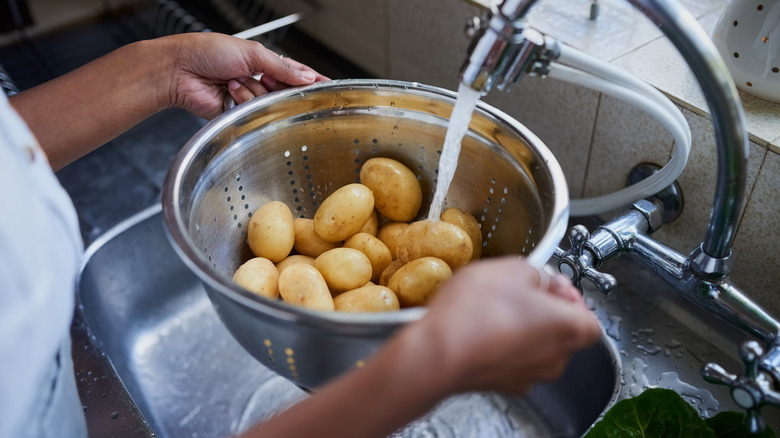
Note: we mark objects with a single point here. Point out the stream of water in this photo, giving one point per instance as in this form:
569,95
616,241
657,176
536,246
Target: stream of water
456,130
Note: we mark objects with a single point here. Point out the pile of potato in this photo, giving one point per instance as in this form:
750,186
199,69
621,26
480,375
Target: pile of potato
343,259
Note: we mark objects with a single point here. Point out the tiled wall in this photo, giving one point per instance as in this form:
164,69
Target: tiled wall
598,139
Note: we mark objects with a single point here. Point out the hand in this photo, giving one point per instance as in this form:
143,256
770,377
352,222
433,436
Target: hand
209,65
494,328
497,324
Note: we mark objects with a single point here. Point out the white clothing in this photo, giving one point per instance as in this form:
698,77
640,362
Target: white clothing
40,254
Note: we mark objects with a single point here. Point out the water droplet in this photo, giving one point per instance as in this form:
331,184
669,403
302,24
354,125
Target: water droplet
613,331
699,398
673,343
652,351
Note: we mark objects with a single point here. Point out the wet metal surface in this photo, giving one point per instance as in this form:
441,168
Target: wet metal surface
188,376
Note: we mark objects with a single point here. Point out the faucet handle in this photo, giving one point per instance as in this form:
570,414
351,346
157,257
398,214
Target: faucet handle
578,263
751,391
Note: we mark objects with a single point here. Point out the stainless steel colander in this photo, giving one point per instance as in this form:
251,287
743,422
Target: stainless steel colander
298,146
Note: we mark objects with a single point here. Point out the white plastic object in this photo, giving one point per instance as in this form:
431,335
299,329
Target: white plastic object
608,79
747,36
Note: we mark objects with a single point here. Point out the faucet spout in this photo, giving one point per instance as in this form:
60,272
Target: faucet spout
711,259
503,48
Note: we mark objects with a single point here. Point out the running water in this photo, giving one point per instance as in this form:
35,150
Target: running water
448,162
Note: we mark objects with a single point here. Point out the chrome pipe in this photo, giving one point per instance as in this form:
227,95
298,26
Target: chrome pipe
728,119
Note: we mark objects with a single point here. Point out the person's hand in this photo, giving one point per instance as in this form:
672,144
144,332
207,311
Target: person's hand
497,324
501,324
207,66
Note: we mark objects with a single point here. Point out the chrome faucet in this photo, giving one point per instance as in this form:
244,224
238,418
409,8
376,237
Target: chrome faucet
504,49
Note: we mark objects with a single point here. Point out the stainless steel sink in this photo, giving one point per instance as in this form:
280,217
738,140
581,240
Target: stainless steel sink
187,376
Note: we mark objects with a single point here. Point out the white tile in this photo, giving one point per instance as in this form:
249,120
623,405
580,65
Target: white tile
356,29
762,119
561,115
624,137
758,238
774,145
426,40
659,64
702,7
662,66
619,29
697,183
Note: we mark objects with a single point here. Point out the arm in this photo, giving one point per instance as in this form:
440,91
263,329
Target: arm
489,328
79,111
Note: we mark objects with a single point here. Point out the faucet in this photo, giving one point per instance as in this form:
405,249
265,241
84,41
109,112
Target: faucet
504,49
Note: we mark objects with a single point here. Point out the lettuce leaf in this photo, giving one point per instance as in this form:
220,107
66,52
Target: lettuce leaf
661,413
731,425
656,412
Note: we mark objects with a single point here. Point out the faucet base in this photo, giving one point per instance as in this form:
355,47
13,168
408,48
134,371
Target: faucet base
671,197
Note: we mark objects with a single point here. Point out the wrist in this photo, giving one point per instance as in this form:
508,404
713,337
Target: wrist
421,361
154,61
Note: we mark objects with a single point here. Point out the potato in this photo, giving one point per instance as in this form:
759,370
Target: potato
370,298
397,193
307,242
387,274
416,282
374,249
467,223
259,276
271,233
388,234
303,285
436,239
344,212
295,258
344,269
372,225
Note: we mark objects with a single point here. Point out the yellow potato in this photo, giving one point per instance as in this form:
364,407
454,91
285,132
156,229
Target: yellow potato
344,212
344,269
467,223
387,274
416,282
371,298
271,233
295,258
259,276
388,234
307,242
374,249
372,225
303,285
436,239
397,193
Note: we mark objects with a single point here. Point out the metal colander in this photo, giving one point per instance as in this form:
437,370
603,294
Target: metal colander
300,145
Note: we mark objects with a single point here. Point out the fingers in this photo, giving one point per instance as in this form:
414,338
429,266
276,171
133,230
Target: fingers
578,328
245,89
273,83
282,71
275,73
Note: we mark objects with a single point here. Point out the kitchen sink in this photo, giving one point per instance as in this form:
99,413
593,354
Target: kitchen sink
151,318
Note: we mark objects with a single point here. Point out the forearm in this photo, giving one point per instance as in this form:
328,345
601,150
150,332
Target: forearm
400,384
81,110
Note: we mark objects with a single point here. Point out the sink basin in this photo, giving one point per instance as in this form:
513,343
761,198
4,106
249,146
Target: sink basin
153,320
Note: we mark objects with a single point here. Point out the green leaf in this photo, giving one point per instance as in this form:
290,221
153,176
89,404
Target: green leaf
656,413
731,425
